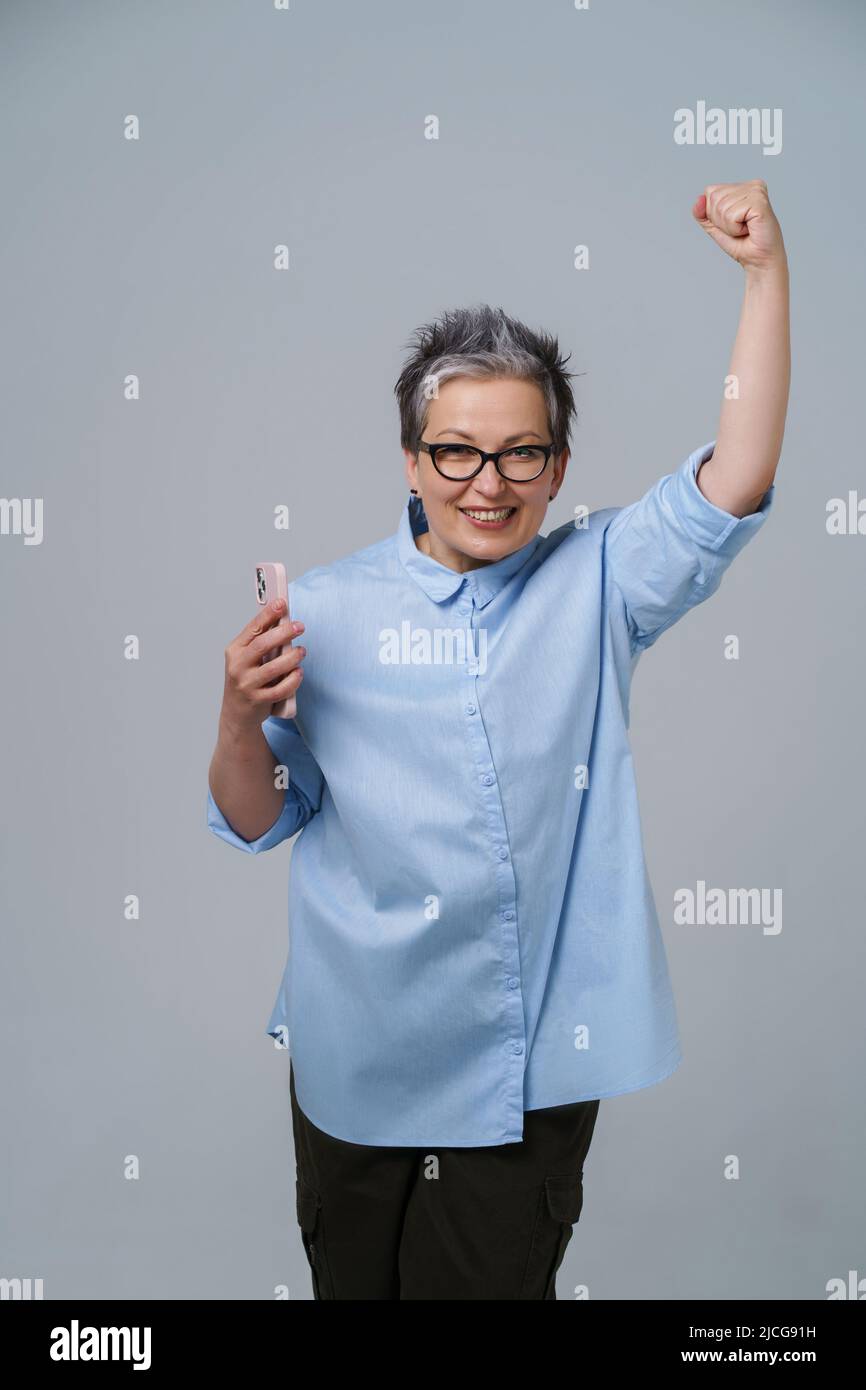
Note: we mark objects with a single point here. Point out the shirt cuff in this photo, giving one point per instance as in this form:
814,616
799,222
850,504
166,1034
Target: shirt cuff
709,525
282,828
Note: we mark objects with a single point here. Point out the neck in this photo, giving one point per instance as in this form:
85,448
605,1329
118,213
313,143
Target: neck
452,559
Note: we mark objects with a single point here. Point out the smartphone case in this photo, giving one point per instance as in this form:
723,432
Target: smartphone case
270,584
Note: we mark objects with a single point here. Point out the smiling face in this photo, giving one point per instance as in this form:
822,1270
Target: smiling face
479,521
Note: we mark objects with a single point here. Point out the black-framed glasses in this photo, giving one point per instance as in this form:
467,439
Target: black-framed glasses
519,463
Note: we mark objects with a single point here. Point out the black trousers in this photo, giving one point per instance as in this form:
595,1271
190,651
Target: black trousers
441,1223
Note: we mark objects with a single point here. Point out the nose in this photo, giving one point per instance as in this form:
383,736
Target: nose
489,481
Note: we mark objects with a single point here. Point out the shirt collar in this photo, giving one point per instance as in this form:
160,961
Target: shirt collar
437,580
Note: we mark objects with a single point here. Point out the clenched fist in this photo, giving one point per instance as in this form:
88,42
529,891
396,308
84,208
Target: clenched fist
739,218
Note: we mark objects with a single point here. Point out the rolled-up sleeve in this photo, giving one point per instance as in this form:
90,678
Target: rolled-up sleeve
302,797
668,551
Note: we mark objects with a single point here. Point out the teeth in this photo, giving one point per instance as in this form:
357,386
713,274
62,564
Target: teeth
499,515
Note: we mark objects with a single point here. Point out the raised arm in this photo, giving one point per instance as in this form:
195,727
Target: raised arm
740,220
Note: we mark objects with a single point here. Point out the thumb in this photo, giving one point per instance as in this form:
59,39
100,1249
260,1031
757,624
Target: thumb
699,213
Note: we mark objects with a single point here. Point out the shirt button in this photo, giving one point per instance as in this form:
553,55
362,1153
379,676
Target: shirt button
512,982
472,670
507,915
502,852
516,1047
470,709
487,778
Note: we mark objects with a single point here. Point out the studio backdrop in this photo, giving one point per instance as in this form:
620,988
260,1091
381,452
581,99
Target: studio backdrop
221,225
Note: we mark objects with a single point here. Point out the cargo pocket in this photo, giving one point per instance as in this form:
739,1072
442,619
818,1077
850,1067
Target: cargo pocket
313,1235
559,1206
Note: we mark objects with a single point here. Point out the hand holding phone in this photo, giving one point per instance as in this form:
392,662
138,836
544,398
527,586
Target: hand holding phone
251,680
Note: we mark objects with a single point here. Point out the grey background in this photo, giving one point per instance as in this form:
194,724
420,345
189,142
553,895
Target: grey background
259,388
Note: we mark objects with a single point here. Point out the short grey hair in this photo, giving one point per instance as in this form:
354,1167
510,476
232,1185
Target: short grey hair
482,342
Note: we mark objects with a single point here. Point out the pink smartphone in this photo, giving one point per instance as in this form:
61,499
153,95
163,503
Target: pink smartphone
271,584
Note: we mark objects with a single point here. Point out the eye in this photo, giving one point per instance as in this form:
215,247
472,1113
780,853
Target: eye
523,453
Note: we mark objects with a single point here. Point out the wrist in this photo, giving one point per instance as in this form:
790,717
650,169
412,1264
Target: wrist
236,731
774,273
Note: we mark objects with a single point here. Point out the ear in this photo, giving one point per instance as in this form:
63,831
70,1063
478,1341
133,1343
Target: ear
411,468
559,466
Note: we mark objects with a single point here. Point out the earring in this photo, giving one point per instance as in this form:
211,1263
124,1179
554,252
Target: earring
414,491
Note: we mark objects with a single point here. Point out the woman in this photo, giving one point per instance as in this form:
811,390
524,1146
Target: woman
476,959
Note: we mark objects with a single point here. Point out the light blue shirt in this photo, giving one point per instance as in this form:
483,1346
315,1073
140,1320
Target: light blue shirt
472,931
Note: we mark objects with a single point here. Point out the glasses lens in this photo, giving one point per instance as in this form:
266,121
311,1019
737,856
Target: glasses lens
522,463
457,460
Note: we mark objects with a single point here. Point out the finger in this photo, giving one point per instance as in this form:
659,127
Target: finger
279,636
731,217
720,217
269,694
279,667
728,207
264,618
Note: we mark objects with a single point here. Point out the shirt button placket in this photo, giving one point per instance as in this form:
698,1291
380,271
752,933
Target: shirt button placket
515,1038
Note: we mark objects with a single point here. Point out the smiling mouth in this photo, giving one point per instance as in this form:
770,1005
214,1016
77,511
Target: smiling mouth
488,515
